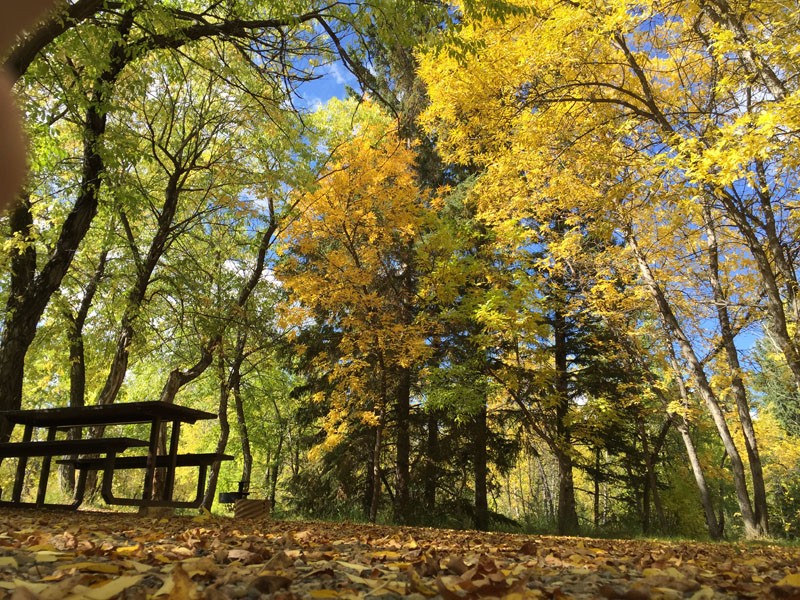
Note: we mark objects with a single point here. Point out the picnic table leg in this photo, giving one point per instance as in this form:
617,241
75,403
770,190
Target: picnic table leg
108,478
169,484
80,488
45,473
147,492
22,464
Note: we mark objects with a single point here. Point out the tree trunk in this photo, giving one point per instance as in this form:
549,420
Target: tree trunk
774,300
375,495
431,462
136,296
175,381
77,360
24,309
369,480
275,470
224,432
715,528
738,391
481,469
651,479
403,417
547,489
677,335
596,491
567,520
244,434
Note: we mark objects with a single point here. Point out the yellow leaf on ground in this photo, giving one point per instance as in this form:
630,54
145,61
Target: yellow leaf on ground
46,556
128,550
19,583
114,587
793,579
137,566
184,588
354,566
323,594
704,593
94,567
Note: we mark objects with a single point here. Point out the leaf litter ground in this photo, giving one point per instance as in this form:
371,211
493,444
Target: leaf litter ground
52,555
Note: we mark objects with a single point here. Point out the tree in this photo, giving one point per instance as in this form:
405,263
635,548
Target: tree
343,267
636,109
83,55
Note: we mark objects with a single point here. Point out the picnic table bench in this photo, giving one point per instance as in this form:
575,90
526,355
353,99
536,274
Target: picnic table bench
79,451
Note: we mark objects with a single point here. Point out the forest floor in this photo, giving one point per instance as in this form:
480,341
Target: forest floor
52,555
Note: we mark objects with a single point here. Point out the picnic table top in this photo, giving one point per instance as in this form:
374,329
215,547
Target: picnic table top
108,414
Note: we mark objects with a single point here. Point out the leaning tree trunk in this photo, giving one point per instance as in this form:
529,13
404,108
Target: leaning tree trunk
144,274
176,380
77,361
738,390
30,293
715,526
677,335
772,267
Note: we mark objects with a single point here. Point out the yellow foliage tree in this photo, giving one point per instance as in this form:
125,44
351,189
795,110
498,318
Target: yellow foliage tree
651,120
346,266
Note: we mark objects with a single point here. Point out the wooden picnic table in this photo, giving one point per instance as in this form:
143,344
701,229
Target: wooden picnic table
125,413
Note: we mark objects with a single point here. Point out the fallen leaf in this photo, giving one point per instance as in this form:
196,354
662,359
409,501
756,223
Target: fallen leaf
128,550
269,584
323,594
47,556
418,585
8,561
23,594
106,591
793,579
94,567
353,566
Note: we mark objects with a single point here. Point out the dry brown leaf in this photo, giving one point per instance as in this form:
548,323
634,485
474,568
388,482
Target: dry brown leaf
269,584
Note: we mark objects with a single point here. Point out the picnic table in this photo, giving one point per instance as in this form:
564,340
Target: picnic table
79,452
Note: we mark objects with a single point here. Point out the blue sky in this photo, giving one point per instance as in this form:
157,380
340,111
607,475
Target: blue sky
333,81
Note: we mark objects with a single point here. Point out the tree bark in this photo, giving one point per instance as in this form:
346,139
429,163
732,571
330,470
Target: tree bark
244,434
144,274
375,495
481,469
738,390
175,381
430,470
224,431
677,335
402,472
62,19
77,359
567,519
24,311
715,527
651,479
